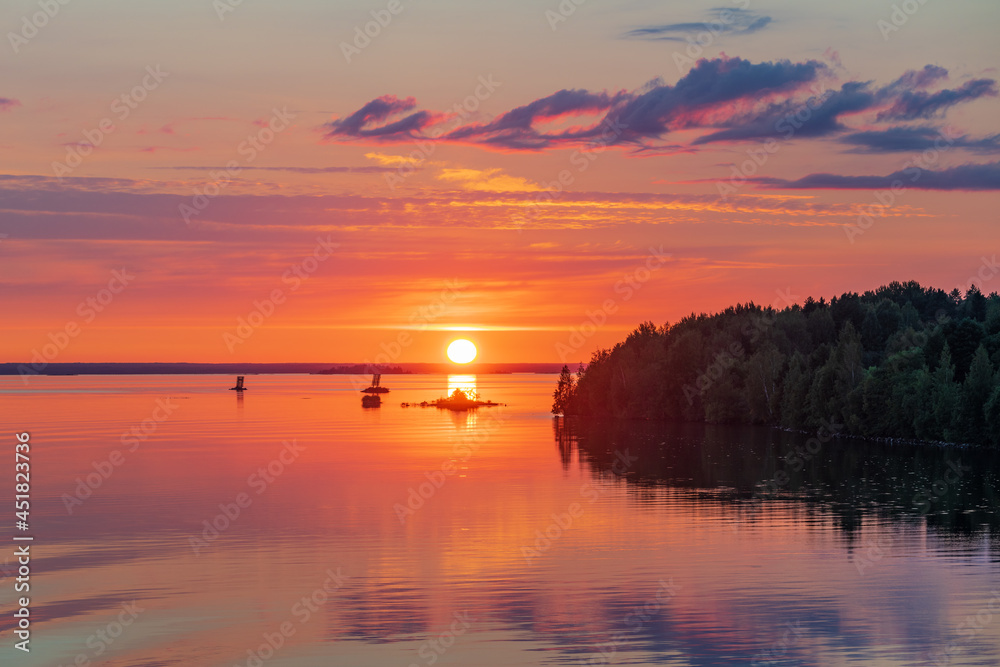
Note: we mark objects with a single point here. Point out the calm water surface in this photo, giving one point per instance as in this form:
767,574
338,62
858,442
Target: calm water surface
413,536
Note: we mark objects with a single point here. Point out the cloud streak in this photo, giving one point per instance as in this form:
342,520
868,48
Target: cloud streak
84,208
723,21
969,177
914,139
296,170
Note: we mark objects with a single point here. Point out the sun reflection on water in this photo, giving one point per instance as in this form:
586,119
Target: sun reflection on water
467,383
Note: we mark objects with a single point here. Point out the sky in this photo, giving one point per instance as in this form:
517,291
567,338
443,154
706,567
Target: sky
345,181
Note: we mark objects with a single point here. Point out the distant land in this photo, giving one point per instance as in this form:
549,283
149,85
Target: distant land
256,369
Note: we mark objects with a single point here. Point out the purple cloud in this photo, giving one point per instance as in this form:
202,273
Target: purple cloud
710,87
516,128
964,177
733,99
379,110
915,139
917,79
917,104
816,117
723,21
821,115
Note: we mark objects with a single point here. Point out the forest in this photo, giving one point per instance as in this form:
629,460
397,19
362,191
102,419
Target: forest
902,361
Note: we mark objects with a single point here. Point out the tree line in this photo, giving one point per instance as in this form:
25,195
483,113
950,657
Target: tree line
902,361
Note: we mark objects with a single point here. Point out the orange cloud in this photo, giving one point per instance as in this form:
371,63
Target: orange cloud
488,180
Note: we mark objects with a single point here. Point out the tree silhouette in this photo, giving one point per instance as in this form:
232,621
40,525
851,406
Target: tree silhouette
901,361
564,390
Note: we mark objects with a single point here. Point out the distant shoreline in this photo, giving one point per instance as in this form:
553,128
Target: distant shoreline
166,368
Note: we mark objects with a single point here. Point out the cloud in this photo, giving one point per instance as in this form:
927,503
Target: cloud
7,103
165,129
711,89
814,117
821,115
722,21
295,170
731,99
89,208
964,177
516,128
86,184
156,149
918,104
922,78
396,161
915,139
378,111
488,180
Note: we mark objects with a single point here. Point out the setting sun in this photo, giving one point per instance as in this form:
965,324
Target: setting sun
462,351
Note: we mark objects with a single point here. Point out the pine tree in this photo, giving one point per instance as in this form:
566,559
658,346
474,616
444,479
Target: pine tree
924,424
763,384
945,397
796,393
849,372
975,304
976,390
992,414
963,339
563,393
871,332
911,318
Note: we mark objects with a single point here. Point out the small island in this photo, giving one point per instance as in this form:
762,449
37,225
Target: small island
458,401
373,395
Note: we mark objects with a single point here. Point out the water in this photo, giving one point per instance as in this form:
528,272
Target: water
538,543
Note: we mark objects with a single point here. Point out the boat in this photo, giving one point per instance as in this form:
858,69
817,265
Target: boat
239,384
373,398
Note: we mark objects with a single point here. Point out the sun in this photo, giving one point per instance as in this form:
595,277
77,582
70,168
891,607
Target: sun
462,351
